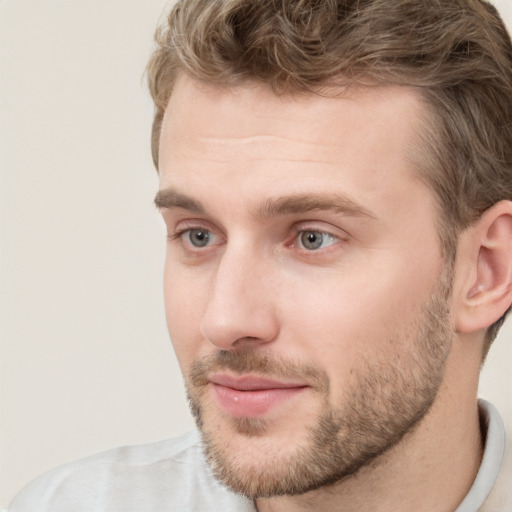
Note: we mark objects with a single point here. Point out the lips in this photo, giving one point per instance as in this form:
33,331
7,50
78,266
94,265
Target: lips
251,396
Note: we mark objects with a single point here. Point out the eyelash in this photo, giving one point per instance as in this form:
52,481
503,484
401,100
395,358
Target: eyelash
179,234
298,231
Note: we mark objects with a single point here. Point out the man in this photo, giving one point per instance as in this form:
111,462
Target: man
335,178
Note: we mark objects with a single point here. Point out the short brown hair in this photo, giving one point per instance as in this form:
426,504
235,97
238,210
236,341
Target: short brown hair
457,52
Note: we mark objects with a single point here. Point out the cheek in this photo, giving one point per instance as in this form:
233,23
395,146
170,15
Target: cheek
352,319
185,301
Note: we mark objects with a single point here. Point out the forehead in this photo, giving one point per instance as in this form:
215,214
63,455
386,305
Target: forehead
240,109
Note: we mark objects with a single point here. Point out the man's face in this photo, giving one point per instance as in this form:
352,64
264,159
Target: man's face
306,297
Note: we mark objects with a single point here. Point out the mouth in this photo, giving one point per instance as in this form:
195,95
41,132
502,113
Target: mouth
251,396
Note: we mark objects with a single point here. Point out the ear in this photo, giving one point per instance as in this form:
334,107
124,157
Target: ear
483,275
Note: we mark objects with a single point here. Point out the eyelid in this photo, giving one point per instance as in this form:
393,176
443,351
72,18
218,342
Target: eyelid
181,227
338,236
185,226
326,237
188,224
320,227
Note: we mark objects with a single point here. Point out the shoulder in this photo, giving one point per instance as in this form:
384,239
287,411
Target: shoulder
167,475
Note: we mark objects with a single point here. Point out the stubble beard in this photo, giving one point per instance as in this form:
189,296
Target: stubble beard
387,398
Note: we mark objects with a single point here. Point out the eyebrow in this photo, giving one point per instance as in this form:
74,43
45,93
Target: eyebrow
273,207
304,203
170,198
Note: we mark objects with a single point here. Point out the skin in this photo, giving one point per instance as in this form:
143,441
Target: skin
224,153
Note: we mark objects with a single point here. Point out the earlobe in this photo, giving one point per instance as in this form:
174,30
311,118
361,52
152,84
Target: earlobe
485,257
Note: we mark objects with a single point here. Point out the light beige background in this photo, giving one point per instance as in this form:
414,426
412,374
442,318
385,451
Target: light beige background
85,361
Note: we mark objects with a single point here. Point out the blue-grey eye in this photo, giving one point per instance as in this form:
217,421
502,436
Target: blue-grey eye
314,240
311,240
199,237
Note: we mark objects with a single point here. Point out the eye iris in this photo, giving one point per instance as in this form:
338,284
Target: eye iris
199,237
311,239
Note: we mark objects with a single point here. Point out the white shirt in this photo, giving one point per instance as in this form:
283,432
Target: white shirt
172,476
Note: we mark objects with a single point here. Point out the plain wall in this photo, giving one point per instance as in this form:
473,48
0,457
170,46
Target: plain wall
85,360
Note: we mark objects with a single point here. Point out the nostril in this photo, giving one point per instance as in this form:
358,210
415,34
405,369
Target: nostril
247,340
227,332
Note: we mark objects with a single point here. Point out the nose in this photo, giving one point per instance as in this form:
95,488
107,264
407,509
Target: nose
241,309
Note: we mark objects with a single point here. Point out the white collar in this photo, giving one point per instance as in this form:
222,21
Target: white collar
494,450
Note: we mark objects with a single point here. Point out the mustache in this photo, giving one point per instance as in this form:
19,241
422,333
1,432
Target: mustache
247,360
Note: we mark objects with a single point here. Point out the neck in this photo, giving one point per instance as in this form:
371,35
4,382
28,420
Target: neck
432,468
